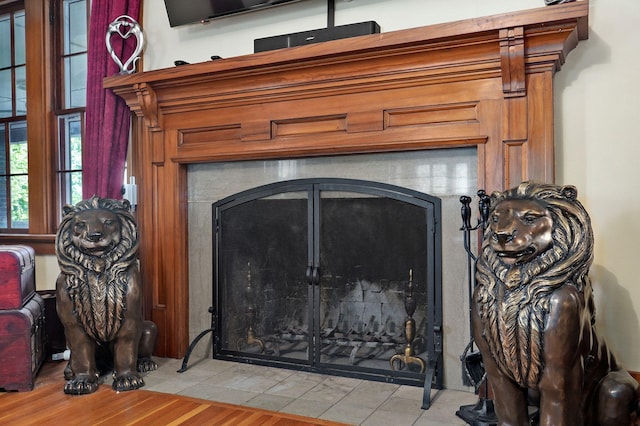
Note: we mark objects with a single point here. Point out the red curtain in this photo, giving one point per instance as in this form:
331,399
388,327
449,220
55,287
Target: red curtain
107,115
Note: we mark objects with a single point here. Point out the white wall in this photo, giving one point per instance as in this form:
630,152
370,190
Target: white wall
47,271
233,36
598,146
598,107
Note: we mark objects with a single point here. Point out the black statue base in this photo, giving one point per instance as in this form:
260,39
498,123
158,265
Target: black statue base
480,414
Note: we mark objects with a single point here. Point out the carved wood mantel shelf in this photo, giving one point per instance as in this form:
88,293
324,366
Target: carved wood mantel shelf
484,82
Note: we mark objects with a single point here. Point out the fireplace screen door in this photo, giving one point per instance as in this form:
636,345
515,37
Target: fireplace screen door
337,276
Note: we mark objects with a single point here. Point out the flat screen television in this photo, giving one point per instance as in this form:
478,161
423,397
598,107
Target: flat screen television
182,12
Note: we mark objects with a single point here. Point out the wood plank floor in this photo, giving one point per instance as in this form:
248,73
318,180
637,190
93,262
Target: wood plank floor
48,405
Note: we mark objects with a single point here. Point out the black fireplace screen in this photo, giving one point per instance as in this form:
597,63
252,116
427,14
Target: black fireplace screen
330,275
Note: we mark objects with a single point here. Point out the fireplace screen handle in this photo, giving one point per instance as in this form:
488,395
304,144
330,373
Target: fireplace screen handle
313,275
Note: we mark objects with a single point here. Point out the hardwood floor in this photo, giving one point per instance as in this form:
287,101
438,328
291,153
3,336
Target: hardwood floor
48,405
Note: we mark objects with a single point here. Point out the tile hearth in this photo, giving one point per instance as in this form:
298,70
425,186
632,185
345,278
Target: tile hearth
339,399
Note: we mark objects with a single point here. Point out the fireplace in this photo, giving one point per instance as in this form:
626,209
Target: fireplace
338,276
483,83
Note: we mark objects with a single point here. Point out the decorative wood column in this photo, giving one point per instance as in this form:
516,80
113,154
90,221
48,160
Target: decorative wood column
484,82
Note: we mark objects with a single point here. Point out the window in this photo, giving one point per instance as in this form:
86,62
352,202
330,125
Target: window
71,99
70,158
14,187
43,53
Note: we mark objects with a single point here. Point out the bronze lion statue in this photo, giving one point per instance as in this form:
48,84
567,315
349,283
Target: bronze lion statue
99,297
533,314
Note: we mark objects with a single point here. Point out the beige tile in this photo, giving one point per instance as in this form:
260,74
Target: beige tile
306,407
231,377
167,386
256,384
193,376
332,389
207,367
347,413
401,405
412,392
219,393
295,385
369,395
277,374
386,418
366,386
454,398
270,402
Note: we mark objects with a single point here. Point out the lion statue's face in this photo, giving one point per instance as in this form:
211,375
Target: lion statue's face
95,232
520,230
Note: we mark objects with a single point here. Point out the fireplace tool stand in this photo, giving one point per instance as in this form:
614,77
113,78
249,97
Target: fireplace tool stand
482,413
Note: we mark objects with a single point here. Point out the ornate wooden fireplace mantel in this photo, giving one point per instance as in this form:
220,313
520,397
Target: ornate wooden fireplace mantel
484,82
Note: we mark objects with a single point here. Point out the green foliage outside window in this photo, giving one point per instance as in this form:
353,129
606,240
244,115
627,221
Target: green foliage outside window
75,177
19,181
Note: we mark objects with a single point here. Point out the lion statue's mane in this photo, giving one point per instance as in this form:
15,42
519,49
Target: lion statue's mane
97,285
514,299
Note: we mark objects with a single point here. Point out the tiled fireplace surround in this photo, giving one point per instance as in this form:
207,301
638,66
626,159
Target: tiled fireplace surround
445,173
483,86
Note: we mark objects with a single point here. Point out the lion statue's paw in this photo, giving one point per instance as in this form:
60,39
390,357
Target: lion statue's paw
81,385
127,382
146,364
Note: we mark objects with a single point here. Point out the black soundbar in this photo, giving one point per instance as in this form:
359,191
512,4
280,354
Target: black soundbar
315,36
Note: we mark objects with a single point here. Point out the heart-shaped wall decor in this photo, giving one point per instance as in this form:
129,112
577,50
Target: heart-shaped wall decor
125,26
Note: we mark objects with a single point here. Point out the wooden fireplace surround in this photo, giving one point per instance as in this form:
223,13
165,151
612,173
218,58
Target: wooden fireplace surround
484,82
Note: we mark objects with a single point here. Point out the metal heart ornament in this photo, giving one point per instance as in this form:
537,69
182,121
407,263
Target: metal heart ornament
125,26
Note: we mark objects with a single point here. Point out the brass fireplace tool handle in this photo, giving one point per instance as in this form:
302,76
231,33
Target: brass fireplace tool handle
251,338
409,330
